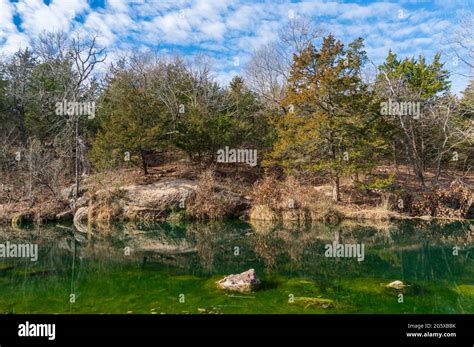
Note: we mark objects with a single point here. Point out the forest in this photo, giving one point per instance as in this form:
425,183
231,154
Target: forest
317,112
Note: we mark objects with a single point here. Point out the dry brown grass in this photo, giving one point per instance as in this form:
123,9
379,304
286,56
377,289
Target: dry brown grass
266,192
263,213
290,201
104,208
206,202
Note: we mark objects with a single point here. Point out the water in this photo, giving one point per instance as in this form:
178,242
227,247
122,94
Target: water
173,268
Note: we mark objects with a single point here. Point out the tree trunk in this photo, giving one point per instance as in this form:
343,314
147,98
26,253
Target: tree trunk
438,168
395,157
421,177
77,158
335,190
144,166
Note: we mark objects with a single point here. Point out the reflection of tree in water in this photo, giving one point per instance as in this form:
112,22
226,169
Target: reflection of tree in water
413,243
296,243
215,242
438,232
204,236
416,248
267,249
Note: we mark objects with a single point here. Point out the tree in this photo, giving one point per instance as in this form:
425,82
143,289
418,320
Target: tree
467,101
466,112
413,81
269,67
16,73
449,134
251,127
461,42
132,122
327,128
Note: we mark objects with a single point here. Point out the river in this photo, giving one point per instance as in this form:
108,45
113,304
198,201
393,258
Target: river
173,268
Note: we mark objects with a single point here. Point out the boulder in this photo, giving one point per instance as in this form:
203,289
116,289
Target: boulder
396,284
243,282
237,204
160,195
68,193
152,202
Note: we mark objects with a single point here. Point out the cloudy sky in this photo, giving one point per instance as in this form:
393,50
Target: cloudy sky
226,29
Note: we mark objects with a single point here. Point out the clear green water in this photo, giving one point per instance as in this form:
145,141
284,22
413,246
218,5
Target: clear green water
167,261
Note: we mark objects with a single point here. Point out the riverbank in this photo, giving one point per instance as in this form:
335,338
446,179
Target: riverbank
179,191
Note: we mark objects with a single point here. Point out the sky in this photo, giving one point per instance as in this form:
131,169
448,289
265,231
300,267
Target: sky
230,30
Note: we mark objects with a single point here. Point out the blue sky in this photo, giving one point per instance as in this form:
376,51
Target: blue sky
226,29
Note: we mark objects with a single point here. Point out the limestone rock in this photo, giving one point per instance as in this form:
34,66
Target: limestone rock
243,282
396,284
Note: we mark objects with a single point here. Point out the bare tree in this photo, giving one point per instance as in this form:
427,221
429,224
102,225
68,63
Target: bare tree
451,130
269,67
462,43
71,62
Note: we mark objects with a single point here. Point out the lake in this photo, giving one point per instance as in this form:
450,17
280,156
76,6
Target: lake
173,268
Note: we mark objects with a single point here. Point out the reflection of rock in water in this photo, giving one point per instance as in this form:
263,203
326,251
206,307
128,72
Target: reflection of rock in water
161,244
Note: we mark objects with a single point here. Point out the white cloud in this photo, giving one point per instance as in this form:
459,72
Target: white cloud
10,38
225,29
170,28
6,17
37,17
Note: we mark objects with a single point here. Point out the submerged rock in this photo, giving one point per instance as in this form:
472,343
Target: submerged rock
243,282
309,301
396,284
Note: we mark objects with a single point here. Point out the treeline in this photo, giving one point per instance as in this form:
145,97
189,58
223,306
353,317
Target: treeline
152,104
308,104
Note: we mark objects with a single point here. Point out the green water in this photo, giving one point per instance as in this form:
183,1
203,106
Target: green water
173,268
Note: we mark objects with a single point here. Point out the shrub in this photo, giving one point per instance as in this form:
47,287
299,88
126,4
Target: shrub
266,192
290,200
207,202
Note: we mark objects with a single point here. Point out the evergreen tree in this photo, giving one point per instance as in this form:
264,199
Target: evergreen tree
132,123
327,128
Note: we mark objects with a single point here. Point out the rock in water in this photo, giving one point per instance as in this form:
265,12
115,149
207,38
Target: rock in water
396,284
243,282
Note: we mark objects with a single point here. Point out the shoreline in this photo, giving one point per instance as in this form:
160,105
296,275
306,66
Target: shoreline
27,218
180,193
